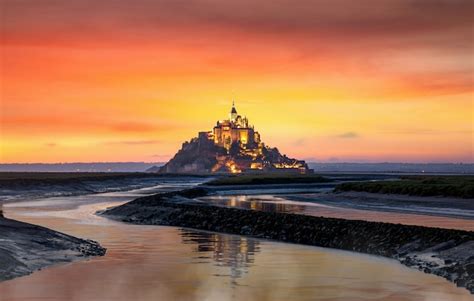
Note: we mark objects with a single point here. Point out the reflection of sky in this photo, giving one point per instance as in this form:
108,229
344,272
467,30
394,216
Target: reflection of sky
235,252
265,203
313,206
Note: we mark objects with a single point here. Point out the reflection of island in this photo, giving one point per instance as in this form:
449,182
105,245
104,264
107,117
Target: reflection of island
260,203
235,252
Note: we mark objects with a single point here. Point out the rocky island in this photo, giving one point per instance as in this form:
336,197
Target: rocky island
233,146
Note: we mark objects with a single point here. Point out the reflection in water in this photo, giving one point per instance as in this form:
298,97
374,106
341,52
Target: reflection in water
271,203
235,252
267,203
166,263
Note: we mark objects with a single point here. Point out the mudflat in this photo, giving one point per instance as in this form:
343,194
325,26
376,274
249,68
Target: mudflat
444,252
25,248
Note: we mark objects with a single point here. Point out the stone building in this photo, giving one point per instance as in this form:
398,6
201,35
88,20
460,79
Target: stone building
236,129
233,146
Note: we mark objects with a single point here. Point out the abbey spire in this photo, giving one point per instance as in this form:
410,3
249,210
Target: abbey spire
233,112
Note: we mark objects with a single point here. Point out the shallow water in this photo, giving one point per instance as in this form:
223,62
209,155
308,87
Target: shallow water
281,203
167,263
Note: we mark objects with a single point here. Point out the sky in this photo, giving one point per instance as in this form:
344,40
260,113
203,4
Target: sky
326,81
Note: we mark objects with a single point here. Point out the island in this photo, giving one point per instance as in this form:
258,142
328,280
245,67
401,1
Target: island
233,146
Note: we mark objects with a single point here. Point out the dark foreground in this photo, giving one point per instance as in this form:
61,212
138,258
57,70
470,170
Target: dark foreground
444,252
26,248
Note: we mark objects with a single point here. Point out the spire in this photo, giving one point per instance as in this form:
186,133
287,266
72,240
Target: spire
233,112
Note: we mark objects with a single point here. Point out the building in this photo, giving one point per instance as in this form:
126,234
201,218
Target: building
245,150
234,130
233,146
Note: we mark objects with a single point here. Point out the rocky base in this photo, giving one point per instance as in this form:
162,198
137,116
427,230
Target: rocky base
26,248
444,252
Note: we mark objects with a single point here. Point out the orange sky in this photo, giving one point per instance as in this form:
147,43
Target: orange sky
388,80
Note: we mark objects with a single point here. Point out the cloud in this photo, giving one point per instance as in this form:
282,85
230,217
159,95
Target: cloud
51,144
415,131
134,127
133,142
161,157
299,142
348,135
280,14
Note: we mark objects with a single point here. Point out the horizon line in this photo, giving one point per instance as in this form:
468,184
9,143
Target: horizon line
163,162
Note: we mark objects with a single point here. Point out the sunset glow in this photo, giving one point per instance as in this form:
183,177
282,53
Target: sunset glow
388,80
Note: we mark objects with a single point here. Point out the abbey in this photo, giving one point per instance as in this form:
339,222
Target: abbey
233,146
235,130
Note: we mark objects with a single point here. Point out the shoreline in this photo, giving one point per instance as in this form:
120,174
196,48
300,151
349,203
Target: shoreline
399,203
27,248
443,252
18,186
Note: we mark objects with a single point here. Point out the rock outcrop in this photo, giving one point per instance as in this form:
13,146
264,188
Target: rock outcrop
201,156
233,146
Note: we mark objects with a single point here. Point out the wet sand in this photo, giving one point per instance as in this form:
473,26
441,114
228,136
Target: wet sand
26,248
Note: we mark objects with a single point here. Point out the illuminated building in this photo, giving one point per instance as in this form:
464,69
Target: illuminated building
236,129
233,146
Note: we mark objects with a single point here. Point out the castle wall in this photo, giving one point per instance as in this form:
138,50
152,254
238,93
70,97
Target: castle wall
225,135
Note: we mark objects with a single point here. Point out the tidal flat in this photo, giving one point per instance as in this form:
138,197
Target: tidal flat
216,265
26,248
444,252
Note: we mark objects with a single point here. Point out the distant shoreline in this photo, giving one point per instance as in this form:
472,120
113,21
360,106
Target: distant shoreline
16,186
327,167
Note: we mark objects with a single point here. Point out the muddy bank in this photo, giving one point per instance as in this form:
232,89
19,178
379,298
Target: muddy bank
459,186
25,248
429,205
444,252
19,186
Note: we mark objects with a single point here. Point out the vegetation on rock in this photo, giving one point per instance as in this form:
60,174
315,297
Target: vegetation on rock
447,186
